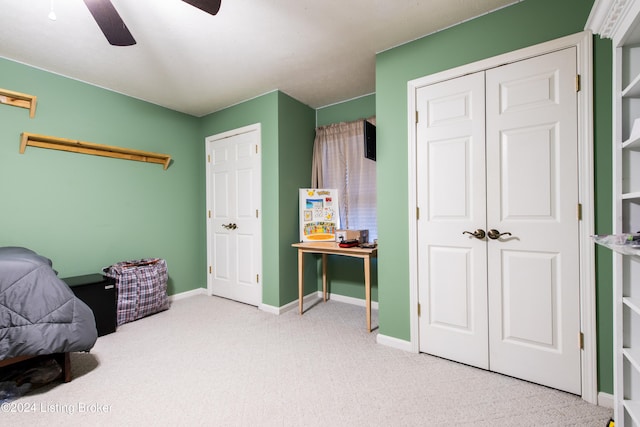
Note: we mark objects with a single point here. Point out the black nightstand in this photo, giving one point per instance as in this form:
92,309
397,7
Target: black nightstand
99,293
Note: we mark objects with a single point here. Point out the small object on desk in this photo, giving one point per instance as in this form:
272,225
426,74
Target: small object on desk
362,236
368,245
349,243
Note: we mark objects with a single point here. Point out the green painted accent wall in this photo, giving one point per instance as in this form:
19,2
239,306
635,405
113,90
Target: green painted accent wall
86,212
603,164
362,107
517,26
287,145
297,132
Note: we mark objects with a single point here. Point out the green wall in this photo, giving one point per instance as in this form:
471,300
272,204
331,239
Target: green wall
287,143
603,163
87,212
297,132
520,25
362,107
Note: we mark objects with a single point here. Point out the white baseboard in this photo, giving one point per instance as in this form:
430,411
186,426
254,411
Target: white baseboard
270,309
312,297
605,400
187,294
349,300
394,342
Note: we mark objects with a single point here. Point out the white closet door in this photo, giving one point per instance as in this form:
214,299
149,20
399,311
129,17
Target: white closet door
507,303
234,227
451,196
532,193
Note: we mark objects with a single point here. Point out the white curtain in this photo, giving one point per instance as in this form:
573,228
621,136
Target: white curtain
339,162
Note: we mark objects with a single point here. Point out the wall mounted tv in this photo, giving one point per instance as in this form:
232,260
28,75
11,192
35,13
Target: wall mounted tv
369,141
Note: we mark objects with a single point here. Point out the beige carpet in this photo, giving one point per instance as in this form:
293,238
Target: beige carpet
210,361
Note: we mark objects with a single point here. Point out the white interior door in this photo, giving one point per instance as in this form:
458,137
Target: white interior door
234,226
532,181
452,199
524,168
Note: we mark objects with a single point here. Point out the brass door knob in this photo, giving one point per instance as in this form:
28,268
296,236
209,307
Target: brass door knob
478,234
495,234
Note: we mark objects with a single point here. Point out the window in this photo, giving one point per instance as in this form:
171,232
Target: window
339,162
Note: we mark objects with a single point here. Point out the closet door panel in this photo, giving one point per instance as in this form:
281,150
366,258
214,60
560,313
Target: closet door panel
452,199
532,194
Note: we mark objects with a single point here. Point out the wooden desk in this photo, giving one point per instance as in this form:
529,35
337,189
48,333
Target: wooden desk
332,248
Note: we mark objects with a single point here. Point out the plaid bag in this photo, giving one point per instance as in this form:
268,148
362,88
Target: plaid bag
141,286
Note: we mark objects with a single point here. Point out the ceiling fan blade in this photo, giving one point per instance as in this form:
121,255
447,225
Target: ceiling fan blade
109,21
210,6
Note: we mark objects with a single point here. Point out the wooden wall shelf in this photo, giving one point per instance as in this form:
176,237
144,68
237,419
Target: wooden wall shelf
55,143
18,99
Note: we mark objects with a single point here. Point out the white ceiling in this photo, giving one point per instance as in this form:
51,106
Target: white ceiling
319,52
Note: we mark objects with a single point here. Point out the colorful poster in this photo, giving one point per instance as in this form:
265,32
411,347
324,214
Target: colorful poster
319,215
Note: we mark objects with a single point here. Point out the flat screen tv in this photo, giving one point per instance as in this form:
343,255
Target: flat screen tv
369,141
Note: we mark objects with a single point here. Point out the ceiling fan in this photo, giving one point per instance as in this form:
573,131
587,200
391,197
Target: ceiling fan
114,28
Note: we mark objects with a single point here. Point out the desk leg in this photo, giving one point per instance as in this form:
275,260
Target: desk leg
324,277
300,279
367,289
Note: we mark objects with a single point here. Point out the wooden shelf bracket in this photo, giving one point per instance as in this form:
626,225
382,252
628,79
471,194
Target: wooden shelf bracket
18,99
74,146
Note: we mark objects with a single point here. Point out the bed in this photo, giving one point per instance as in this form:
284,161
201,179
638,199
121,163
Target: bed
39,314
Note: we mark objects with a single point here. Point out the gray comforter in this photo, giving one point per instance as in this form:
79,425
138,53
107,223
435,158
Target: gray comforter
39,313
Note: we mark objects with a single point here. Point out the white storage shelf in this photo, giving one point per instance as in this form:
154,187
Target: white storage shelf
632,303
630,147
627,171
620,21
633,90
631,399
633,409
632,144
633,356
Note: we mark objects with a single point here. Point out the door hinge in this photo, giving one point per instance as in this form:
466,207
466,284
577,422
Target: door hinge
418,309
417,213
210,270
209,158
417,116
257,278
579,211
577,82
209,213
256,213
256,148
581,341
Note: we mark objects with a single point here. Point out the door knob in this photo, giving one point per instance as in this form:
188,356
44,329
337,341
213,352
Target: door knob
230,226
495,234
478,234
